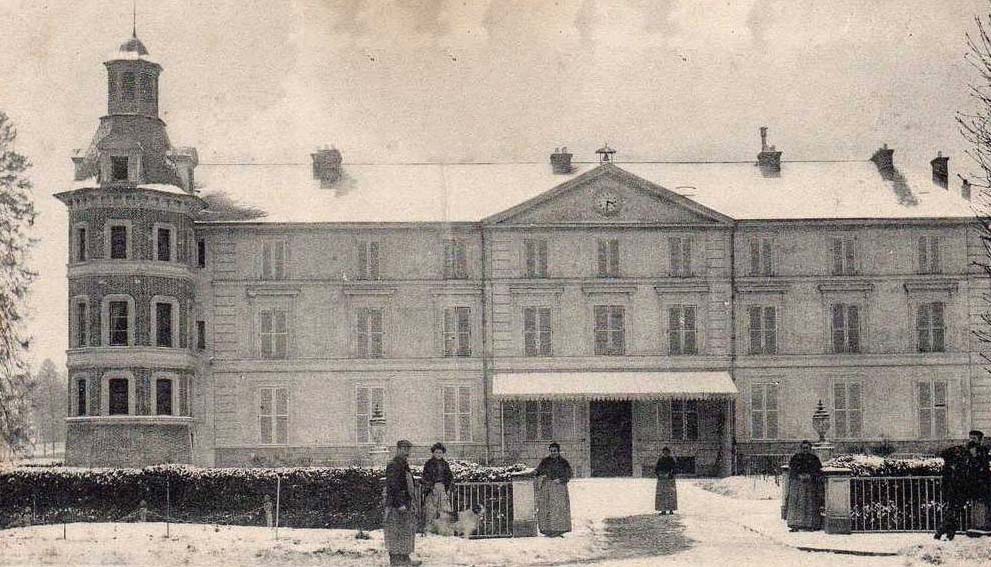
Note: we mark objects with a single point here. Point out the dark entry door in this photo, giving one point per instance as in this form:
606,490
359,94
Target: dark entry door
611,436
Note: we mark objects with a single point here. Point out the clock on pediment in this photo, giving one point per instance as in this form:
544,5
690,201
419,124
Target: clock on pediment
607,203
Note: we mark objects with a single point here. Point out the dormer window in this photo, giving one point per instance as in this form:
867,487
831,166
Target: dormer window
118,168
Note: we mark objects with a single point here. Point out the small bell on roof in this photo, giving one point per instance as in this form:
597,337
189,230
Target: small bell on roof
605,153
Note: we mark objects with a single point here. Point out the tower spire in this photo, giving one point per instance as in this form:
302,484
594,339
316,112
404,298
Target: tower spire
134,18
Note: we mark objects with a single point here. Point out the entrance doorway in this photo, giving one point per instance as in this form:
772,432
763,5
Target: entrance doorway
611,438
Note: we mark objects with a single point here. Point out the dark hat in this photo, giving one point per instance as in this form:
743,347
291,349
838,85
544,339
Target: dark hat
403,443
438,445
976,433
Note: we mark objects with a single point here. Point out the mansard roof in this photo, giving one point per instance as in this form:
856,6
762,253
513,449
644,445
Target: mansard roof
414,193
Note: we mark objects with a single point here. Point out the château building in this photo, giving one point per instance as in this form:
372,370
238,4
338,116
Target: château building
615,307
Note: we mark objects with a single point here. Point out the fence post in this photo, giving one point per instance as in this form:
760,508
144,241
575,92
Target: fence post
168,508
278,497
784,492
143,511
524,509
837,520
268,510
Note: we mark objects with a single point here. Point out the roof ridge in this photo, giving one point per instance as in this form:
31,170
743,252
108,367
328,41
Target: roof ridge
453,163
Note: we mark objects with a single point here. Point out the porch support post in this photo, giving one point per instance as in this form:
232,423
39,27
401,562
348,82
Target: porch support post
837,520
727,440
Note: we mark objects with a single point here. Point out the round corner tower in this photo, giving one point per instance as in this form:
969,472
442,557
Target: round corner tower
132,265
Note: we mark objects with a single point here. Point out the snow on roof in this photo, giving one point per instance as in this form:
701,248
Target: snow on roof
91,183
613,385
473,192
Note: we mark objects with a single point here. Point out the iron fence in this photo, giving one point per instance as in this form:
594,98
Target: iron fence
494,499
899,504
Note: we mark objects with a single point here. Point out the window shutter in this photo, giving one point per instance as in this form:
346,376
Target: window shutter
674,330
934,256
619,330
530,257
839,338
601,329
464,331
603,266
674,248
464,413
691,344
361,333
922,323
756,334
542,257
853,328
755,259
265,414
531,418
529,331
373,260
923,255
768,258
837,256
770,330
450,413
855,412
614,258
363,260
546,420
282,416
545,330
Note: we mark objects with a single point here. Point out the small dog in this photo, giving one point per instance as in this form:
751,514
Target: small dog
464,523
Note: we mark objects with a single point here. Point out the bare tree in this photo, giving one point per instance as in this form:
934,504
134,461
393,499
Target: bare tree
17,216
49,405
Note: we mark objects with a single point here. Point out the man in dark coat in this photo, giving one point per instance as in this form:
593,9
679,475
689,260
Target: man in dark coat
804,490
956,489
979,475
399,519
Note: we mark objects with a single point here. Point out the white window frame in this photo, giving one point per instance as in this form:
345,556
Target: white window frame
763,412
535,254
929,254
270,269
929,327
538,336
762,332
681,331
369,260
845,415
681,250
155,300
105,318
455,416
540,413
932,407
129,245
153,395
456,341
684,415
274,416
364,414
849,246
761,253
75,340
105,391
74,254
611,333
272,310
173,241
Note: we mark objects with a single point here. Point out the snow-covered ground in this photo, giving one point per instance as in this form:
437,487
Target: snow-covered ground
745,487
709,530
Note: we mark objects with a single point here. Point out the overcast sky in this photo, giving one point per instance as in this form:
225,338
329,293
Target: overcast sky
268,81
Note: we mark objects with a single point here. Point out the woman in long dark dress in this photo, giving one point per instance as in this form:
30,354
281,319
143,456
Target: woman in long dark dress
804,490
437,480
553,500
666,495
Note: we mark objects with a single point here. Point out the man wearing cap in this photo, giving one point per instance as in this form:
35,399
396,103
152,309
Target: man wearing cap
399,518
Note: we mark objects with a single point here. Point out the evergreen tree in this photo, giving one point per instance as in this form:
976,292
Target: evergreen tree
17,216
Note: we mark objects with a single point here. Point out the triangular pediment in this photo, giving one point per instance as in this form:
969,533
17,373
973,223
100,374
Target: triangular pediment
608,194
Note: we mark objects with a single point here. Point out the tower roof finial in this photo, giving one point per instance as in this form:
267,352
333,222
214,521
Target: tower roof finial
134,18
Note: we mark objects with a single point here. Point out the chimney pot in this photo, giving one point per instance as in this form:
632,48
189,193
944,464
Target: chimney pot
941,170
769,159
561,161
884,160
327,166
965,188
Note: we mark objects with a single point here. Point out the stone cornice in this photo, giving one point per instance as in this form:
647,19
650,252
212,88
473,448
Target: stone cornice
133,356
141,268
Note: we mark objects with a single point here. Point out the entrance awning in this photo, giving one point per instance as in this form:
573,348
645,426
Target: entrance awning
613,385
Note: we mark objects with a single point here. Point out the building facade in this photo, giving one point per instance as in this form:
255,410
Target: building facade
613,307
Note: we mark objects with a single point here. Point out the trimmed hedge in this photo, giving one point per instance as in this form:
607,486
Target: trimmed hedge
871,465
310,497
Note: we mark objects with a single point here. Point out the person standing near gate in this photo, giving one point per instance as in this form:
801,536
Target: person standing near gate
553,500
399,518
666,495
437,480
956,489
804,490
980,484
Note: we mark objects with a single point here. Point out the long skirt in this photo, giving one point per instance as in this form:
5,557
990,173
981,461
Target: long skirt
399,527
435,502
666,495
553,507
804,501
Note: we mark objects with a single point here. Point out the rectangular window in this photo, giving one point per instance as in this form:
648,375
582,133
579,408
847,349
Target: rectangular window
368,260
539,420
274,260
163,396
608,259
81,244
118,242
367,400
118,396
163,242
369,333
118,168
274,333
930,261
680,252
457,331
846,328
763,330
931,327
118,323
844,256
201,335
201,253
761,258
537,331
684,420
457,413
273,416
682,330
82,324
932,409
81,397
535,254
163,324
455,260
610,330
764,411
848,414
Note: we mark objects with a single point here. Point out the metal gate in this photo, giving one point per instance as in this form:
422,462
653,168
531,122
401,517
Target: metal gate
495,500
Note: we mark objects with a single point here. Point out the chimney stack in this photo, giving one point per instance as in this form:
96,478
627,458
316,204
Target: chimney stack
941,170
186,159
964,187
327,166
81,170
884,160
561,161
769,159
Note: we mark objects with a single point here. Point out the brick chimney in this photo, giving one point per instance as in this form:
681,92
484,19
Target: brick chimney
769,159
327,166
884,160
941,170
964,187
186,159
561,161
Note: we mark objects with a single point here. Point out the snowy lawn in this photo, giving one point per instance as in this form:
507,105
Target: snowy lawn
745,487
